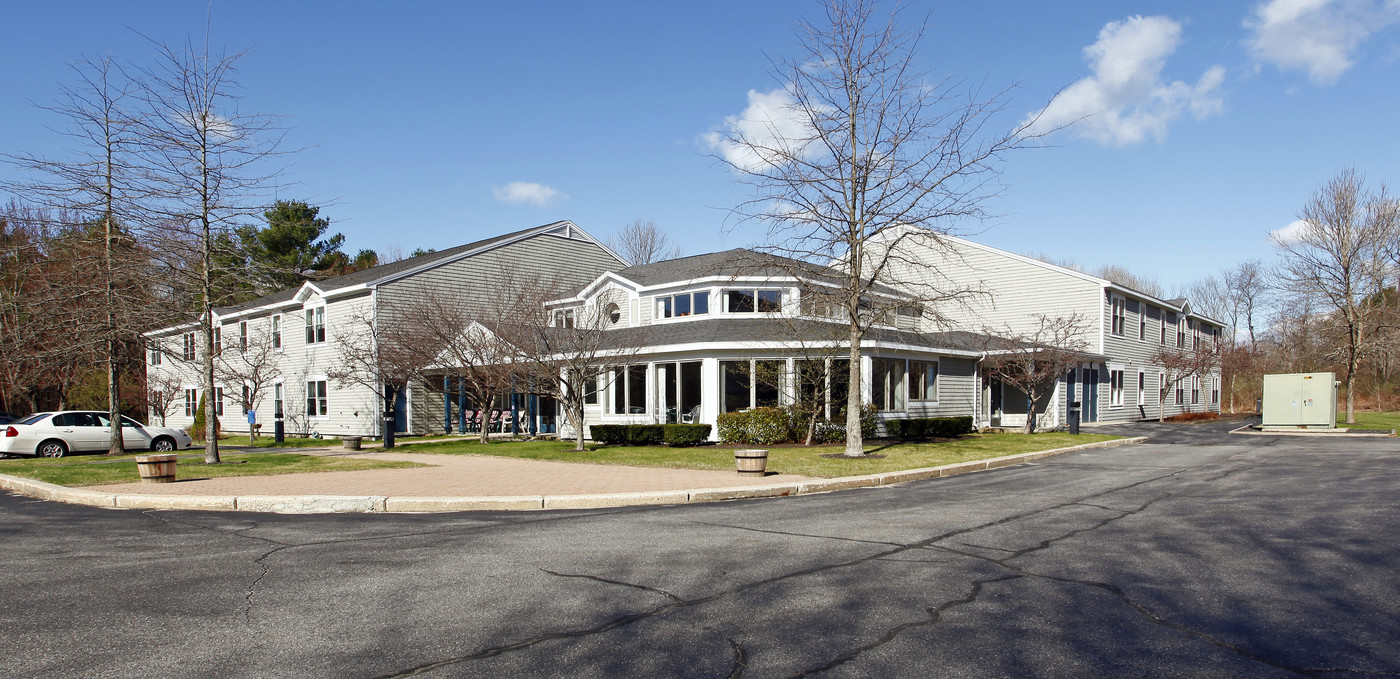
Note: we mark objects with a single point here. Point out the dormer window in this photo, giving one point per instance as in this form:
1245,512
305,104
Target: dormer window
564,318
750,301
675,306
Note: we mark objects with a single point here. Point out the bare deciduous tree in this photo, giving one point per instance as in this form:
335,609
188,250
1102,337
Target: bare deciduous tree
1335,256
864,151
98,183
641,241
1199,359
381,356
1033,361
163,391
208,164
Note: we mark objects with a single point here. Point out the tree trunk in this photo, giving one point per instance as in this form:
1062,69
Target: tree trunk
577,409
855,441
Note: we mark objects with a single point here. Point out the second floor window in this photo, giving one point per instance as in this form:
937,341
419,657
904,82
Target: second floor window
243,337
1181,333
276,332
1142,322
218,340
188,352
564,318
687,304
1162,323
1119,314
155,355
749,301
316,325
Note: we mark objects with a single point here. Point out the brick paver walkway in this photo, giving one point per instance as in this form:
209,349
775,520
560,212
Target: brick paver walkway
459,476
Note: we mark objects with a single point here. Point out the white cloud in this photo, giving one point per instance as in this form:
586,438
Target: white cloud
519,193
1125,99
772,120
1290,233
1317,36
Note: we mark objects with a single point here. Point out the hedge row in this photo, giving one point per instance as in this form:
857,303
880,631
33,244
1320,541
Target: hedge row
765,426
929,427
675,435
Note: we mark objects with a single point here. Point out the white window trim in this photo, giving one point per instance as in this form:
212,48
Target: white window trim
314,378
276,327
1116,302
316,309
656,313
1142,387
1115,399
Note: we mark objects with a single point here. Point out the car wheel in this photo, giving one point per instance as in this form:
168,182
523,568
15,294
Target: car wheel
52,448
162,445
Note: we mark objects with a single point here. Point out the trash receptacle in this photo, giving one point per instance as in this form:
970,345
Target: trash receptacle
1074,417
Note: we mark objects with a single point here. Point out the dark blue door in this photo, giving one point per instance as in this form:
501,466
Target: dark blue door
401,411
1091,395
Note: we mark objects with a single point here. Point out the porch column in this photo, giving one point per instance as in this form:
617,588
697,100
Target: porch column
447,405
709,394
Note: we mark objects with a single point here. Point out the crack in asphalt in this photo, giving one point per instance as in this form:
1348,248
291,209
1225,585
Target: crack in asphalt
935,615
686,603
741,659
1138,607
799,535
617,582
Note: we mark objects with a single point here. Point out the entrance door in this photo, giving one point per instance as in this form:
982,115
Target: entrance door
1070,396
1091,395
995,387
401,411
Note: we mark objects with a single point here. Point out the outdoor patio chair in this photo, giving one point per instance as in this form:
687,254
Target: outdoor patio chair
691,417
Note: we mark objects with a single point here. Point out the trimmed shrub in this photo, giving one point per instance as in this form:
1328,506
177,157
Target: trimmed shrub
929,427
764,426
686,435
645,434
610,434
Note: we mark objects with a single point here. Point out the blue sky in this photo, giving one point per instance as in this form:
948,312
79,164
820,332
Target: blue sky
434,124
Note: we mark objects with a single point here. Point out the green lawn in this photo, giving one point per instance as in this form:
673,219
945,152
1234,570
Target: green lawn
265,441
1370,420
92,470
797,460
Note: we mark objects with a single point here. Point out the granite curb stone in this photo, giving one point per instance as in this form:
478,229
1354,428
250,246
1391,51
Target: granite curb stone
314,504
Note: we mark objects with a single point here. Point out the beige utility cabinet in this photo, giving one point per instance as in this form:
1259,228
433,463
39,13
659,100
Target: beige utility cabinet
1300,400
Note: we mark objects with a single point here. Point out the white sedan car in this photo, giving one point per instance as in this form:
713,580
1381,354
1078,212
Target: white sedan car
57,434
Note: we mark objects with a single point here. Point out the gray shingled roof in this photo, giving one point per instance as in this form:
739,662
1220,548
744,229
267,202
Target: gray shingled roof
776,330
734,263
379,272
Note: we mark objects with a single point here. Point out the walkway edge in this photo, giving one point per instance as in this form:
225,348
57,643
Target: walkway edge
375,504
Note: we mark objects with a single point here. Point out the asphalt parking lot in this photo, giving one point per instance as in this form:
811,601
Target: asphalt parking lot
1197,554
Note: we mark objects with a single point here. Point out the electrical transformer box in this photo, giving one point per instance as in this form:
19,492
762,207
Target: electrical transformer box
1300,400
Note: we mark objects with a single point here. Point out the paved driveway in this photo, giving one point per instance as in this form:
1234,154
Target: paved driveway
1221,556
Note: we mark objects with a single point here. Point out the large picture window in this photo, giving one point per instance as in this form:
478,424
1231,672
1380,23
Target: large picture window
923,380
629,390
887,383
752,384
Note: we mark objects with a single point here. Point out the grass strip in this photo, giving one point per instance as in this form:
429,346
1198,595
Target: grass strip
881,457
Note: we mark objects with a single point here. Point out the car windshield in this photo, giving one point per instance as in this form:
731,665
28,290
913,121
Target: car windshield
33,418
128,422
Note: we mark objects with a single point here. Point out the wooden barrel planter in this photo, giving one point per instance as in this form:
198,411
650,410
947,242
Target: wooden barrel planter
156,468
350,442
751,462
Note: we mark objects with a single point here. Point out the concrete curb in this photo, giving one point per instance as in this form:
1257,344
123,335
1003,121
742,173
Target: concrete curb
1248,430
375,504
